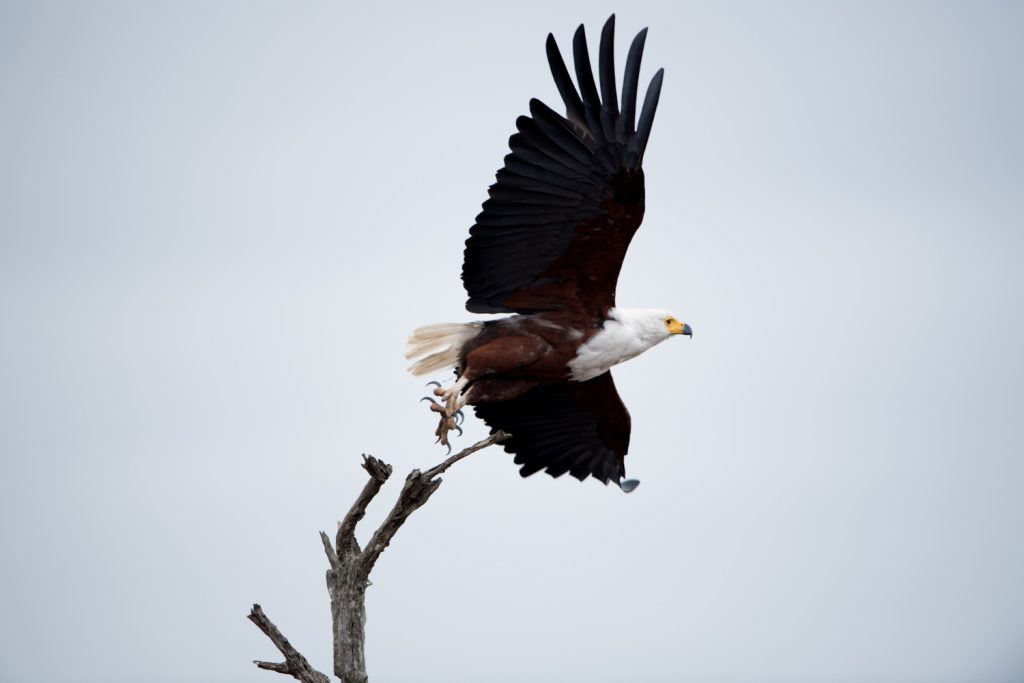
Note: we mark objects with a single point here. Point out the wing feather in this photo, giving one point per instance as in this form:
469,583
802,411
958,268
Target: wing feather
570,196
609,94
577,427
573,104
588,89
512,195
526,152
554,127
643,128
630,80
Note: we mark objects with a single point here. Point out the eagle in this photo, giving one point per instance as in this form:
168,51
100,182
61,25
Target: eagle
547,248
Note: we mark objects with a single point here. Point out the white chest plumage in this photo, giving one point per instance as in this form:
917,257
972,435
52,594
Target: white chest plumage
623,336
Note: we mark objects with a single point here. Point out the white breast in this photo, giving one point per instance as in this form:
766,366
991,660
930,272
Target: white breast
619,340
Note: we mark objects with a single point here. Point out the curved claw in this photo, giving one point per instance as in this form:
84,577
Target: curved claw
449,450
458,429
431,399
460,417
435,383
438,439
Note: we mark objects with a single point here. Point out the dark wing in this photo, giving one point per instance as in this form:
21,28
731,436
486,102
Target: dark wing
570,196
577,427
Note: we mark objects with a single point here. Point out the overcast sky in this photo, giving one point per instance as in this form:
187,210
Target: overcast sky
219,222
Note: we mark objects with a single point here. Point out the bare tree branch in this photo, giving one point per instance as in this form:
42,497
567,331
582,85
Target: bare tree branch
379,472
418,488
295,665
350,566
332,557
497,437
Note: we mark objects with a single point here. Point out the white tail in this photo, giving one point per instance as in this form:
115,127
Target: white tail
437,347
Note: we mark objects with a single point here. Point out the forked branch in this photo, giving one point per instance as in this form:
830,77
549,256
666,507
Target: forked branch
350,567
418,488
294,664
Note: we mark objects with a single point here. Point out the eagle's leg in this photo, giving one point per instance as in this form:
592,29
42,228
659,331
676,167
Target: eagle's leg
452,402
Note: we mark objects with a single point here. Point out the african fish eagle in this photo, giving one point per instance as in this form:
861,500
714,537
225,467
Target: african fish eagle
548,247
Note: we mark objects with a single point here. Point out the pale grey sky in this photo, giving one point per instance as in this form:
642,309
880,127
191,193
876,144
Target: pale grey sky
219,221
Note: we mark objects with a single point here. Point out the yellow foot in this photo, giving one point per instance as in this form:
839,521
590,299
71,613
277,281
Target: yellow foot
450,409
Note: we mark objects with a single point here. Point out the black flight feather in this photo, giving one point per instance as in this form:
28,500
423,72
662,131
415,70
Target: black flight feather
577,427
570,195
573,104
609,96
630,80
643,128
588,89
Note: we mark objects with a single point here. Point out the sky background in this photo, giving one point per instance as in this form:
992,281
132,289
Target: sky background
219,222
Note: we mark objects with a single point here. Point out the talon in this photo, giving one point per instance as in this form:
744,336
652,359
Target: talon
449,449
448,403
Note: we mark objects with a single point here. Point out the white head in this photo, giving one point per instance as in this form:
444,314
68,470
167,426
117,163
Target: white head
652,325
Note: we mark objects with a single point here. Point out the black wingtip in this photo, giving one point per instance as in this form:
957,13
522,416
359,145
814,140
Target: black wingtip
643,128
640,39
606,72
630,81
554,55
588,88
566,88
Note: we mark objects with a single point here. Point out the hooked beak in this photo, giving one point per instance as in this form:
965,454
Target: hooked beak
676,327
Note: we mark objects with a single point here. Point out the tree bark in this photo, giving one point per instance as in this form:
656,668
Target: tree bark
348,612
294,664
349,574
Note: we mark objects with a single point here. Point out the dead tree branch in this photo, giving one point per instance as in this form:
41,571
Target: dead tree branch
417,490
350,567
295,665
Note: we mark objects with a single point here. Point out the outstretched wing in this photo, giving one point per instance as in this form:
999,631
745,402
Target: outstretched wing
577,427
559,219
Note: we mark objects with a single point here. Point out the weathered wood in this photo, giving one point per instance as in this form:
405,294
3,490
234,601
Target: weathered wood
348,615
294,664
350,567
418,488
379,472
